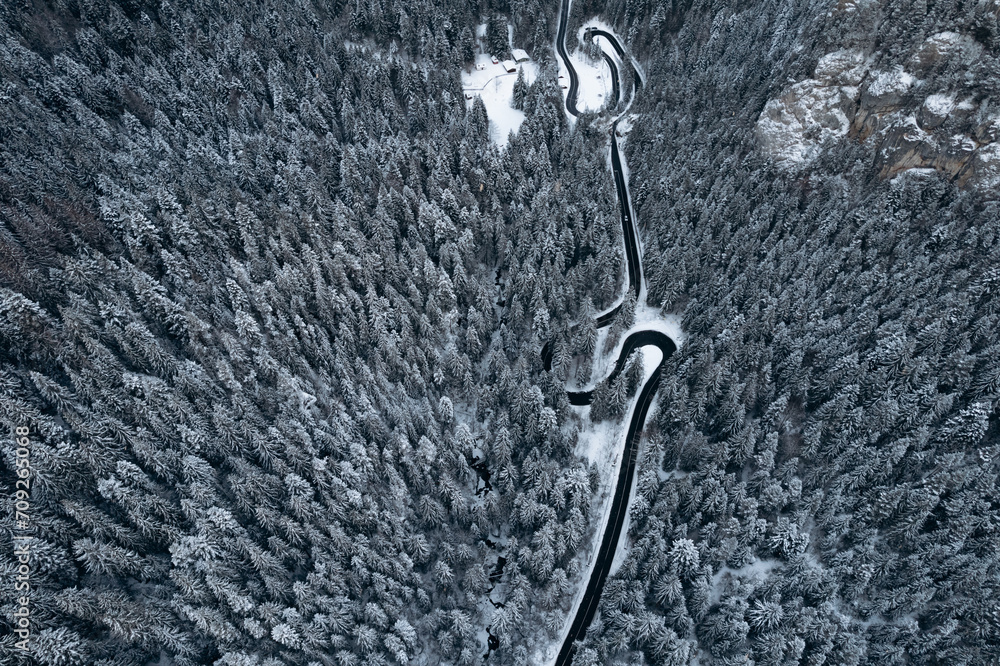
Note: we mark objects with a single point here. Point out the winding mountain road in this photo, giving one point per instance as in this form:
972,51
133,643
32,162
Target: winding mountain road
619,504
590,33
574,79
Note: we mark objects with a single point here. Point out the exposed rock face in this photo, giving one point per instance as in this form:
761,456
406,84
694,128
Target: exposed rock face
912,128
793,127
943,46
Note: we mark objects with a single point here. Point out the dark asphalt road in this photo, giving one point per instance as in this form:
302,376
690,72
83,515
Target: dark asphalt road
574,80
632,342
628,224
619,505
590,33
623,487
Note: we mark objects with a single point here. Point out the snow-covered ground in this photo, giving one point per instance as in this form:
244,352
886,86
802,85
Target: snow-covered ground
495,86
595,81
758,568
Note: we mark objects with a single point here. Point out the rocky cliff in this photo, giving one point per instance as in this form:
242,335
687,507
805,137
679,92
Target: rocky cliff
927,109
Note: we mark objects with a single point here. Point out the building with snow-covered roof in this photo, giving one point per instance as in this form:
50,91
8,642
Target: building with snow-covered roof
510,66
520,55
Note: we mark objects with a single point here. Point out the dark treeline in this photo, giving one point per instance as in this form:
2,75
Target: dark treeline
247,309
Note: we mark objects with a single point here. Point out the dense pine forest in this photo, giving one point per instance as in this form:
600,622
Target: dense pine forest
272,304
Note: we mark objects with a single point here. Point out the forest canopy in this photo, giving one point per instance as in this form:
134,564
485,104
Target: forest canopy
271,301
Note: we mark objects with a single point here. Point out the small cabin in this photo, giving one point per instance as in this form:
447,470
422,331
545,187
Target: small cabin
510,66
520,55
480,66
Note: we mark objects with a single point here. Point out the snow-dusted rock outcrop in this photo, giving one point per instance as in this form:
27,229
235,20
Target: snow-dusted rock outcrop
911,126
793,127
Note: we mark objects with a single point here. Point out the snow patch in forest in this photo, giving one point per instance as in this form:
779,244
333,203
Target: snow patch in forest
495,85
595,22
651,357
597,443
624,127
759,568
891,84
846,67
940,106
648,317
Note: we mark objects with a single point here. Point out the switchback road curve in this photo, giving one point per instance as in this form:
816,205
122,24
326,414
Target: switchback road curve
590,33
632,342
574,80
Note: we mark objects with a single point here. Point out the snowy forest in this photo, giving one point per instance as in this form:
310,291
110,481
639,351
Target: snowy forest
272,304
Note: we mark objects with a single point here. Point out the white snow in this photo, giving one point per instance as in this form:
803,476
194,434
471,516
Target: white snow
890,84
913,132
964,143
845,67
595,81
987,166
759,569
496,87
916,172
945,40
651,357
967,104
650,318
940,105
624,127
